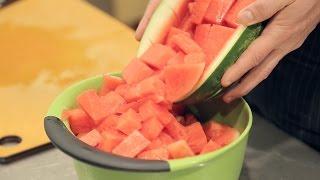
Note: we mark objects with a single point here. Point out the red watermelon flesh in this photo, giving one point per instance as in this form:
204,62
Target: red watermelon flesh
136,71
180,79
213,129
111,138
231,16
157,55
151,85
129,122
217,38
112,101
151,128
198,10
176,130
201,34
132,145
210,146
186,24
128,92
92,138
179,149
228,135
218,10
195,58
91,103
110,122
185,43
165,138
150,109
177,59
174,31
125,107
155,144
79,121
155,154
110,83
196,137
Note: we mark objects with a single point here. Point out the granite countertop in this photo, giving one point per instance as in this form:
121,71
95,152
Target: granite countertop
271,155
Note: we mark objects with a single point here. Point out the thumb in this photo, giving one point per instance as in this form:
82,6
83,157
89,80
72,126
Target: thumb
261,10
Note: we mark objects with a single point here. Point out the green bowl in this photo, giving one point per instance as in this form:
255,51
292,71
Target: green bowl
92,164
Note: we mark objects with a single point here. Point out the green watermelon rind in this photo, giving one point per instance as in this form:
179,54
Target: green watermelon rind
212,84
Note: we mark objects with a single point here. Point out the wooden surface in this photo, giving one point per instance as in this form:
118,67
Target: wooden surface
44,46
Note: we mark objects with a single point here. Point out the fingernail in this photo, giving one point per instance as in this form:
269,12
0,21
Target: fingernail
245,17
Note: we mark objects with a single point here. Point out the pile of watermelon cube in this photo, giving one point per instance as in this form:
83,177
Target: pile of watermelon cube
135,115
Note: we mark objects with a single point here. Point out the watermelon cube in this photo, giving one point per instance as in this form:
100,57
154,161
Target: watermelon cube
218,10
129,122
155,154
181,79
132,145
201,34
128,92
174,31
157,55
185,43
210,146
213,129
179,149
217,38
196,137
125,107
151,85
79,121
195,58
110,83
136,71
176,130
198,10
111,138
150,109
91,103
155,144
109,122
165,138
92,138
112,101
231,16
151,128
228,135
186,24
177,59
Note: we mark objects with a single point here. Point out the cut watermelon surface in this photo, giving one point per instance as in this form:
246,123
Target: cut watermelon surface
142,113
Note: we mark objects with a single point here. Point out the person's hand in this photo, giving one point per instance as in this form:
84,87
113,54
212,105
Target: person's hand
292,21
153,4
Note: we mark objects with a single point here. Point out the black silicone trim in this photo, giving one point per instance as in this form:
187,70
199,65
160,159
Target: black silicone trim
62,138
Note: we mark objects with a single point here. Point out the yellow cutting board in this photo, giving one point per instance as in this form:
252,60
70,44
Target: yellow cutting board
45,45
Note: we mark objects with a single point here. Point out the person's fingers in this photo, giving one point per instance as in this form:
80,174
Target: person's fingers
252,57
153,4
261,10
255,76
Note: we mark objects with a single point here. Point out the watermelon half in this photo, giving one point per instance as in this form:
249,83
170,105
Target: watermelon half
168,14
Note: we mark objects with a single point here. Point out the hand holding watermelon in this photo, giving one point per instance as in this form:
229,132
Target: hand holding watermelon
280,37
292,22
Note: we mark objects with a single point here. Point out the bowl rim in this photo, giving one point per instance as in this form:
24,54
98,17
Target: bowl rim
61,137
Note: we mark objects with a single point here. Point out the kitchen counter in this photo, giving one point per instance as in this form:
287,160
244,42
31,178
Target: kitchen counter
271,155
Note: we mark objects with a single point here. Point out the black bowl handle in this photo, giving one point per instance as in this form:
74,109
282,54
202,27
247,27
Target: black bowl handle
62,138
